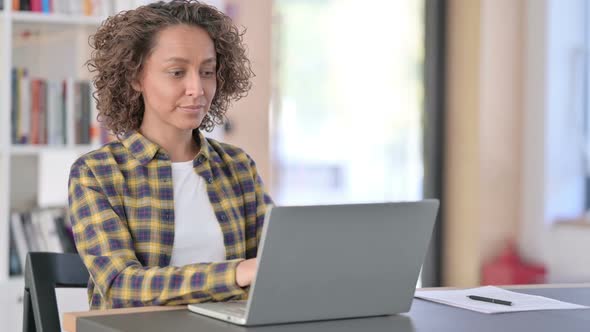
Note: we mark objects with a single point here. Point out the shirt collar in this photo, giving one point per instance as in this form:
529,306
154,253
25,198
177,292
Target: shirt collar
205,150
144,150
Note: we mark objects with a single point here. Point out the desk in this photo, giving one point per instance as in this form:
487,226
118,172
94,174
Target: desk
424,316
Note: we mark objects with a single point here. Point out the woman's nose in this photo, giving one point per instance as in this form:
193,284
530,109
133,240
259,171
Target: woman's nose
194,86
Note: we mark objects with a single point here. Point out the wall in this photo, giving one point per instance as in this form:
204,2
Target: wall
251,116
501,110
497,89
484,109
513,166
462,211
552,165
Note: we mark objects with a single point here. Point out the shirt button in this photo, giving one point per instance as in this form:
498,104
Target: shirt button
210,180
223,217
200,159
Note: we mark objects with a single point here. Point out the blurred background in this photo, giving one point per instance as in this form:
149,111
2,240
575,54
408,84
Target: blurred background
483,104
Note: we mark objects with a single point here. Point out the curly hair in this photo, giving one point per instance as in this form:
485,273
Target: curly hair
124,41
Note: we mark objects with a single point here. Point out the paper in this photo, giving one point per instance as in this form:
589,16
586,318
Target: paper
520,301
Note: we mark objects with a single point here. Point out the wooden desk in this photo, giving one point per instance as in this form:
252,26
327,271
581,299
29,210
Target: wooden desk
70,318
424,316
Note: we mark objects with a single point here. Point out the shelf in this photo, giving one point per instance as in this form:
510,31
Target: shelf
57,19
52,47
12,280
25,150
17,279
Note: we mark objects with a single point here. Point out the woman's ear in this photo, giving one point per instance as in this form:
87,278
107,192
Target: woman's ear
136,86
136,81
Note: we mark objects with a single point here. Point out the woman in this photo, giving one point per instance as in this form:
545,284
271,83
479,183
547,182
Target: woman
163,215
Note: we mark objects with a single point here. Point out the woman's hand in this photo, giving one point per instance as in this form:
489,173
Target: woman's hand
245,272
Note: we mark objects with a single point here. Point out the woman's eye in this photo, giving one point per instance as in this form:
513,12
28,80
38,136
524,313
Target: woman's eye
177,73
208,73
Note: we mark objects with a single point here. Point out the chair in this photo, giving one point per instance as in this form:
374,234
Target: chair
43,273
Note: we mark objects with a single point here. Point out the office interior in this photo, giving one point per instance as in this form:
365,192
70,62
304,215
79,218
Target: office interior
483,104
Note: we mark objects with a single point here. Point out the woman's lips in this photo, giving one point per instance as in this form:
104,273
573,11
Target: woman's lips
192,108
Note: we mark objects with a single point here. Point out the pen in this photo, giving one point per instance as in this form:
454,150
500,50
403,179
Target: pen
489,299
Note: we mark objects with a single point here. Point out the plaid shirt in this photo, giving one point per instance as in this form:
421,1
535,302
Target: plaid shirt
122,212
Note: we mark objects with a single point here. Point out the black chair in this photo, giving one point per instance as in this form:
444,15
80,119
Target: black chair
43,273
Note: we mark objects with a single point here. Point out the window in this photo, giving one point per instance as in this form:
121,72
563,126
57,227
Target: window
348,100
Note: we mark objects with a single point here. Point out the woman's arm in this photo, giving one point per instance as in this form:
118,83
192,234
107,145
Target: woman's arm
256,202
106,247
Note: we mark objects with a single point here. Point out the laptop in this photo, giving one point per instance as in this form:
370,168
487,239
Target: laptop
333,261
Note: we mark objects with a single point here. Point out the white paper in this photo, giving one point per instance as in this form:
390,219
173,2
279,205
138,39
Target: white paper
69,300
520,301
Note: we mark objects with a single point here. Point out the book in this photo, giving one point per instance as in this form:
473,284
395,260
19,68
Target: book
15,264
42,229
25,5
35,5
35,111
49,229
24,106
17,230
42,112
46,6
40,108
14,109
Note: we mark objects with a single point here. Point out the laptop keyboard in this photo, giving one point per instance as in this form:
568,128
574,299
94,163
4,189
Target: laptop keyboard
233,308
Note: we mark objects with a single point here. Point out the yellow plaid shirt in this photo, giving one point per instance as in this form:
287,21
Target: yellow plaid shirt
122,213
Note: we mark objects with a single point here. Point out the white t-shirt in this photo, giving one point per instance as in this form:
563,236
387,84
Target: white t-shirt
197,233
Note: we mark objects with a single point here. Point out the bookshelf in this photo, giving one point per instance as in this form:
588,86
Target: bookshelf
38,47
53,19
51,47
43,51
23,150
